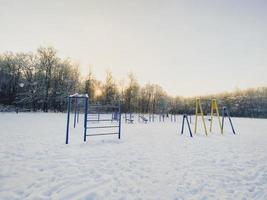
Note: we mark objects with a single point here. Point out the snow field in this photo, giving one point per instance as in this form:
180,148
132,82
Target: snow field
151,161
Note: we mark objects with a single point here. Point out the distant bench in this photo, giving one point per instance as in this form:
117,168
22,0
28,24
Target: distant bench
143,118
129,120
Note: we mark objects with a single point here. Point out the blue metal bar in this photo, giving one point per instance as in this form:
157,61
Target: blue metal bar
231,123
95,127
68,121
103,112
78,97
225,111
119,136
101,120
85,119
103,106
189,126
103,134
223,115
183,125
185,117
75,113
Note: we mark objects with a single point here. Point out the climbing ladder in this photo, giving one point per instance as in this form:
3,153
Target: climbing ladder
105,113
94,117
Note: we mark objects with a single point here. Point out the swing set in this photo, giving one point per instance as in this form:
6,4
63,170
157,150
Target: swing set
214,111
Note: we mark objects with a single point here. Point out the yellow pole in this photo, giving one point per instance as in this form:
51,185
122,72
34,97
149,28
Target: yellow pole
196,113
217,111
198,105
203,119
211,114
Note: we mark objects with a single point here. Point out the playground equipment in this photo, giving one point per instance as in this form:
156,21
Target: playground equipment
142,117
199,108
225,113
129,119
93,117
214,107
185,117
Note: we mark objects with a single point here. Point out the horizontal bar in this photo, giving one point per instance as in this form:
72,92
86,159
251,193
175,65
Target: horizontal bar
103,134
101,113
78,96
102,127
101,120
103,106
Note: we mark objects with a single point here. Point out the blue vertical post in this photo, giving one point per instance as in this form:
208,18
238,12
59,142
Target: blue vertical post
119,136
189,126
78,112
183,125
225,111
85,117
75,112
185,117
68,121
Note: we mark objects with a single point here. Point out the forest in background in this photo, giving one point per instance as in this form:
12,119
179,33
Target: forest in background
41,81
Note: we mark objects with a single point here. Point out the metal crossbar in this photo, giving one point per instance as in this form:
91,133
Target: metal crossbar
100,120
103,134
94,127
103,106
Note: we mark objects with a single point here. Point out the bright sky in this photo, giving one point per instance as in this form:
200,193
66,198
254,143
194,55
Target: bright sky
187,47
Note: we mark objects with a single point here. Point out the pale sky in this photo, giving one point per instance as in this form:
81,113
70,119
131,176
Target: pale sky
187,47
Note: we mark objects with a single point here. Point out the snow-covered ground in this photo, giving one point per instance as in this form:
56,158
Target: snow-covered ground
151,161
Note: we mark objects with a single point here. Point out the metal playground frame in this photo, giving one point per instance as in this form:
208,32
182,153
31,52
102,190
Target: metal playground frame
93,117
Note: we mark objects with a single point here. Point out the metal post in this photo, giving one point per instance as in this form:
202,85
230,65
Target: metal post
191,135
223,114
230,121
68,121
119,136
183,125
187,121
75,112
85,118
225,110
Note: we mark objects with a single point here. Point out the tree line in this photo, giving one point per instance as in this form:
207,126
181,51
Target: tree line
42,81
